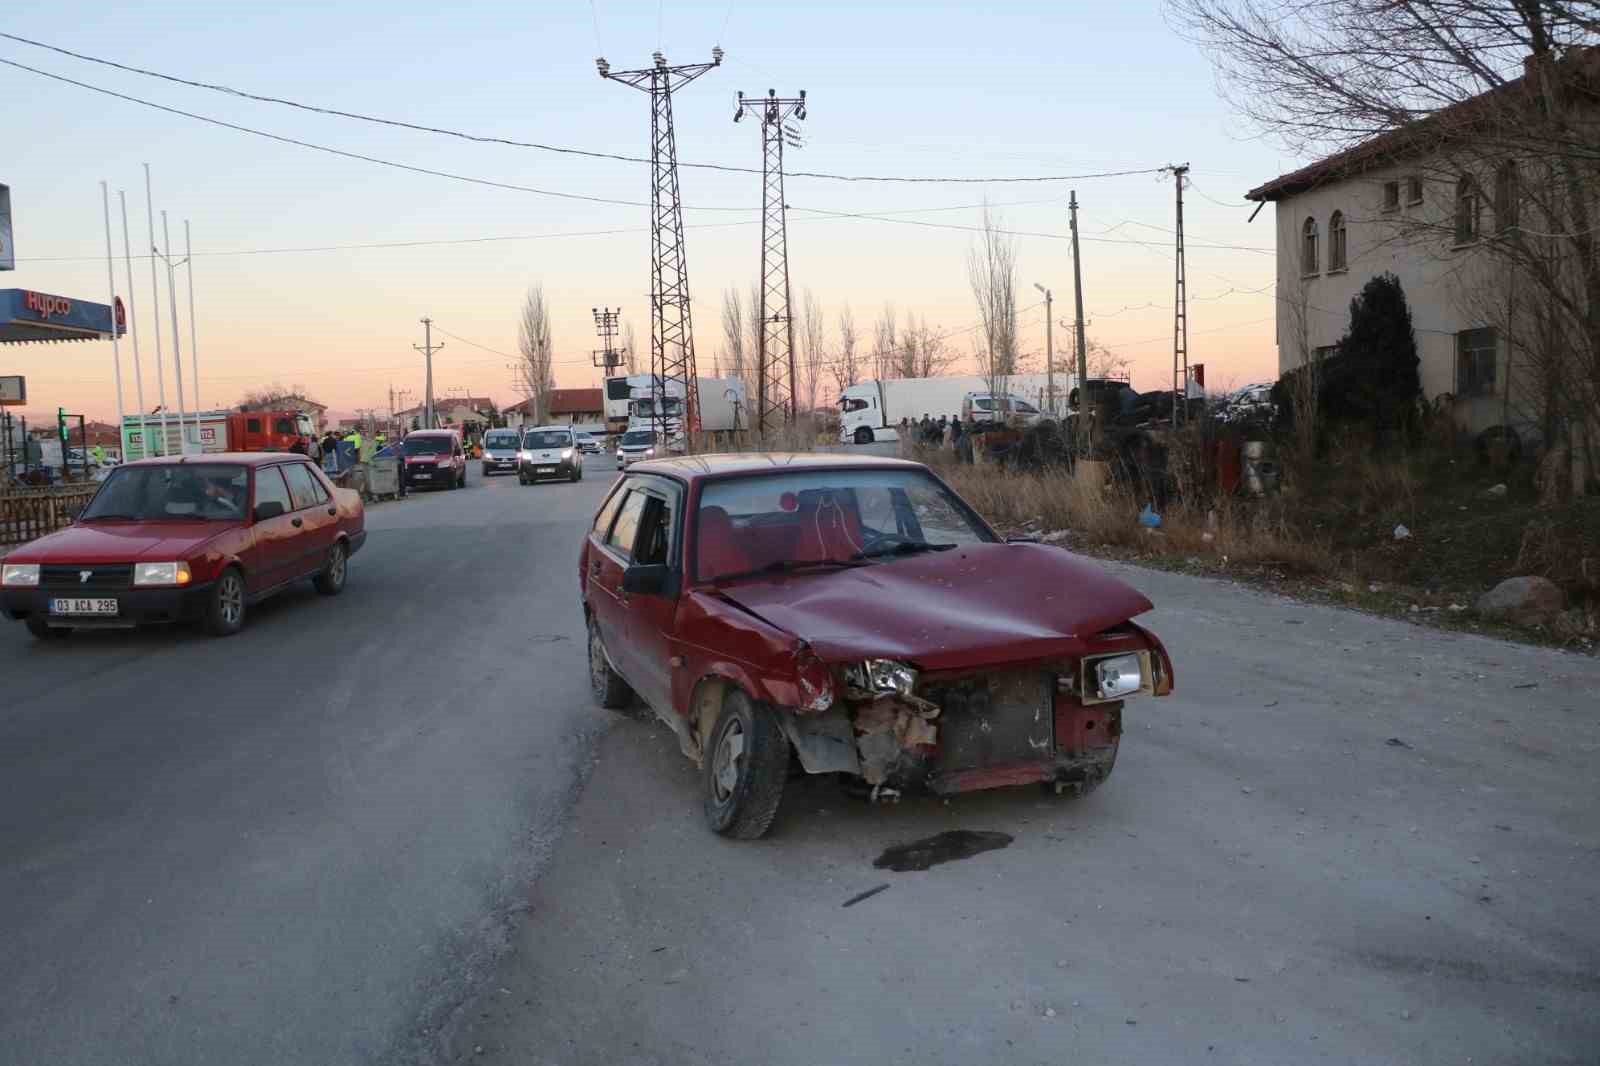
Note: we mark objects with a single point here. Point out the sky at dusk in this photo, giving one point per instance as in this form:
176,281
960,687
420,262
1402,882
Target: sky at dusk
928,89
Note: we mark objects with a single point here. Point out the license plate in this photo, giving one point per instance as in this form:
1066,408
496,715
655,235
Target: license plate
83,606
422,477
545,470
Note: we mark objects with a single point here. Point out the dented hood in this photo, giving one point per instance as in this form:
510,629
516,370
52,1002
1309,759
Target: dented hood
982,605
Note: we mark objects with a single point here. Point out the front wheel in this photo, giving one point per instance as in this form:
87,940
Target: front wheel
225,605
746,764
330,582
610,690
863,435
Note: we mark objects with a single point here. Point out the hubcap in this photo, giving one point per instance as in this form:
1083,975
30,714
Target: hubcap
231,599
336,565
725,768
597,661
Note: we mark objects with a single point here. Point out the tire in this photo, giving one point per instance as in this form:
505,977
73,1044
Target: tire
42,630
863,435
577,472
484,471
225,604
330,582
610,690
746,764
522,479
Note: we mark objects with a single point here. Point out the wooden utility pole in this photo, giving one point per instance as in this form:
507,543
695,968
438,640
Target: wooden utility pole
1083,347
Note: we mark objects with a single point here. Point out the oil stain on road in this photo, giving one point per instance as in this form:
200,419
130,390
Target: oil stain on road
941,847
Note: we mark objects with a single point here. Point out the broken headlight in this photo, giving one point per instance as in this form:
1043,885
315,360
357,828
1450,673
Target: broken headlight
1116,677
883,675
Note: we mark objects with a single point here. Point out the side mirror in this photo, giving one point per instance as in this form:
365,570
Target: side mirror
268,509
655,579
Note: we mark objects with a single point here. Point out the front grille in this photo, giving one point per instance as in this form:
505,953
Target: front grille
993,720
101,577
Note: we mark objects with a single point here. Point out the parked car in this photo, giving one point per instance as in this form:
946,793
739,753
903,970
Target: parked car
634,446
856,612
587,444
549,452
500,450
198,539
435,458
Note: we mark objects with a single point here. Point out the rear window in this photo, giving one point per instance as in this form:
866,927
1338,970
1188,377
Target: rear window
638,438
502,439
427,445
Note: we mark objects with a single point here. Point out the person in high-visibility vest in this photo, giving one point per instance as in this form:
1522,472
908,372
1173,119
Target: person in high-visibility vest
99,453
353,438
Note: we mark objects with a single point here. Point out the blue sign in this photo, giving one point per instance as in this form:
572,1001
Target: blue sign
26,315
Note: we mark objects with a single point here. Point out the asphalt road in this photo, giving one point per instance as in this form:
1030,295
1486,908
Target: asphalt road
302,844
1344,840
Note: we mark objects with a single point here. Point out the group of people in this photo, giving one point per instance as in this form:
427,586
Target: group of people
933,433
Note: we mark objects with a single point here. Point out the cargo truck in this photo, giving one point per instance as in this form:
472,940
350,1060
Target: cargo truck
219,431
872,410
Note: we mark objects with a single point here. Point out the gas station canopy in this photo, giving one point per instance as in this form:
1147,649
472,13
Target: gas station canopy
26,315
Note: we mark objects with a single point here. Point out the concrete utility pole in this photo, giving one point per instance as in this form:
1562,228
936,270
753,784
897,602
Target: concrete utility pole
1180,311
608,357
427,348
1078,338
1049,350
775,349
671,327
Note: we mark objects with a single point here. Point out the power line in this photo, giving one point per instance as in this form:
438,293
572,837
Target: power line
538,146
1026,233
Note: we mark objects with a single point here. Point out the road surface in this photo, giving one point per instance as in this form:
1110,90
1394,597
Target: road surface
1345,839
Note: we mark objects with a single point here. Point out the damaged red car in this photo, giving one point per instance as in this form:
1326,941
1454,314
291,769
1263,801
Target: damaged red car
856,616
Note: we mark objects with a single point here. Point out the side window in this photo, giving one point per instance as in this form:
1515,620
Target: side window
602,521
626,528
283,425
252,425
317,484
655,539
271,489
302,489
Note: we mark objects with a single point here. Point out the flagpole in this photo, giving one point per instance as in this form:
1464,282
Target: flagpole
177,345
155,316
194,347
133,331
111,288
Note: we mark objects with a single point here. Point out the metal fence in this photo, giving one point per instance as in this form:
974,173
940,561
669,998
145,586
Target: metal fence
26,513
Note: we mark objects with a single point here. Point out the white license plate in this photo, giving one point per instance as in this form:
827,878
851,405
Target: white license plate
83,606
545,470
421,476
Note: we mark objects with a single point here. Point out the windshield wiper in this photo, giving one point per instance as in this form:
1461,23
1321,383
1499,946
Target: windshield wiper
111,518
904,547
787,566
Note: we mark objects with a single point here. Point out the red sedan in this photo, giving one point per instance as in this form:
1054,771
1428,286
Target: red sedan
857,613
198,538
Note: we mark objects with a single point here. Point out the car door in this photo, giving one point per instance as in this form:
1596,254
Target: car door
315,521
650,617
609,555
268,559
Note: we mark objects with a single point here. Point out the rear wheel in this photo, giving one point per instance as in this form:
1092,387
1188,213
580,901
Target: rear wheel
43,630
610,690
330,582
747,761
225,605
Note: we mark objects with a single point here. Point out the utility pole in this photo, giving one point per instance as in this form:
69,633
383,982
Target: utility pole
1180,311
671,328
608,357
775,350
427,348
1078,338
1049,350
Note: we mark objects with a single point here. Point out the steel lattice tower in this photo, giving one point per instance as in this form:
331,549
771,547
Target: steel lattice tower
775,353
671,329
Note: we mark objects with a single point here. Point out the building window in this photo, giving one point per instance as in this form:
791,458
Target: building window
1326,351
1413,190
1506,195
1469,205
1336,242
1308,247
1391,196
1475,361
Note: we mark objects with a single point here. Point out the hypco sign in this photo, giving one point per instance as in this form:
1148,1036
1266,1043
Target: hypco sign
45,305
8,258
13,391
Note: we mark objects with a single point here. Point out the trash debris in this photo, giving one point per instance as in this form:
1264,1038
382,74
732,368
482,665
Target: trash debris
1148,518
1049,1012
1495,492
1401,532
1396,742
868,894
1527,684
1247,790
1457,607
1208,536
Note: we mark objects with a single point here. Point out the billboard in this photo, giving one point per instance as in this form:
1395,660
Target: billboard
8,257
13,390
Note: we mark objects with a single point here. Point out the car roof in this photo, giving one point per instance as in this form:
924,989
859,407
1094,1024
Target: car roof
542,429
722,464
434,433
236,458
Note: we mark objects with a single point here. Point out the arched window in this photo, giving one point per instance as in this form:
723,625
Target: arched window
1469,206
1506,195
1337,259
1308,247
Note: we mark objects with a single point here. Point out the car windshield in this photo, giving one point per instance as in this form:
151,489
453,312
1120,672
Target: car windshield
500,440
427,445
553,438
638,438
826,517
189,491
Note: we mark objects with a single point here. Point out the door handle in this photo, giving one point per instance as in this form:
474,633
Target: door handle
296,523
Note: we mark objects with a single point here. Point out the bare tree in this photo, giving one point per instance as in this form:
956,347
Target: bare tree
533,370
992,273
1440,79
630,349
270,396
734,361
886,355
813,349
925,354
1103,362
846,370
